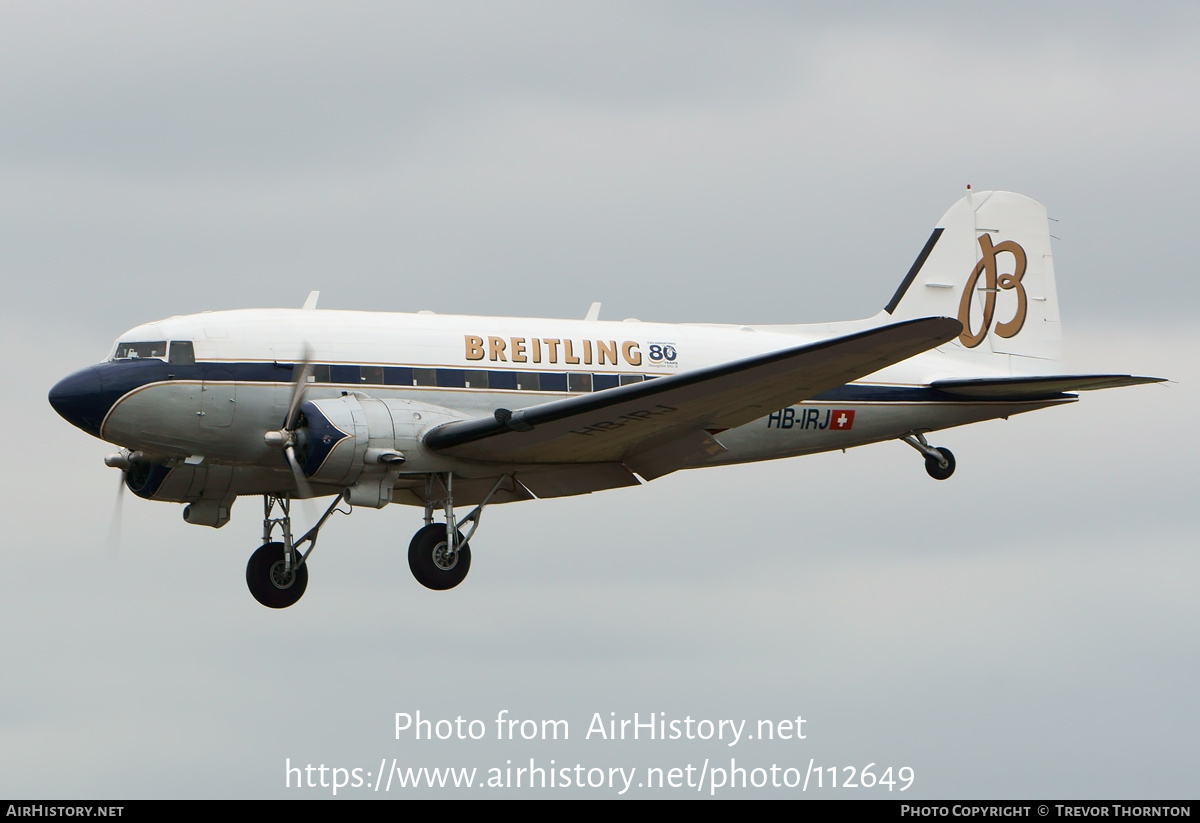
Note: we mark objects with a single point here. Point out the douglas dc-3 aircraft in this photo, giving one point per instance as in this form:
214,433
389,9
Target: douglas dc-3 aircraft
444,411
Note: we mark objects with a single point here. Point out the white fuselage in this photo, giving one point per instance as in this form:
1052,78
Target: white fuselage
216,410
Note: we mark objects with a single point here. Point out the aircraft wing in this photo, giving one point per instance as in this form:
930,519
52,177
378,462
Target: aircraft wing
654,426
1032,388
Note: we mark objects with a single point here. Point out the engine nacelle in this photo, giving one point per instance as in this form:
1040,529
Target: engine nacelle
362,442
209,490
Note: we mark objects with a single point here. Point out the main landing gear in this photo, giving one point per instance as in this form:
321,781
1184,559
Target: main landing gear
275,581
435,562
439,555
277,573
939,462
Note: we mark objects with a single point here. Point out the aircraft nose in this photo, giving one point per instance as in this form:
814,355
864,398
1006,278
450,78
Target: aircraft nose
79,399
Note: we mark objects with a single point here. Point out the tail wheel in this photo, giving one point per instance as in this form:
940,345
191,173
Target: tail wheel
935,468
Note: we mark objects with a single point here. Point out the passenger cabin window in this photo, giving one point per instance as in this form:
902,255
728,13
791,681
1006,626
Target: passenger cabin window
182,353
135,351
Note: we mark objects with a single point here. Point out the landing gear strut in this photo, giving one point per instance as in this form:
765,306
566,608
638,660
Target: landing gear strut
439,556
939,462
277,573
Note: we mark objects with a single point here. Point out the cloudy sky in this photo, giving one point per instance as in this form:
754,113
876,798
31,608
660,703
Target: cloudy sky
1027,629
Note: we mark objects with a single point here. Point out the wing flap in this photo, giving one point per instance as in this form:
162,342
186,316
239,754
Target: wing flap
1029,388
565,481
656,461
613,425
468,491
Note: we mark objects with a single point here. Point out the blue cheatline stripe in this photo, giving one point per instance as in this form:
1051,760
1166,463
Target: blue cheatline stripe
120,377
125,375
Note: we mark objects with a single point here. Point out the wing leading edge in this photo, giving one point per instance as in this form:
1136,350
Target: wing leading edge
656,425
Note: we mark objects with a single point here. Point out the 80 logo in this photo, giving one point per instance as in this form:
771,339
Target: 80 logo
662,353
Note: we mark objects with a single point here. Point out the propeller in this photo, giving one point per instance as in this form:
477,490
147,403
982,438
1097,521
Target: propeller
288,436
112,545
122,460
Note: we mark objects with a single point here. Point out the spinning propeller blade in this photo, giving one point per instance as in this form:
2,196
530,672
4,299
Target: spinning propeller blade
112,545
299,382
286,437
305,490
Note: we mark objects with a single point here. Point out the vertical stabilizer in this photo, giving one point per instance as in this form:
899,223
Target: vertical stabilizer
989,264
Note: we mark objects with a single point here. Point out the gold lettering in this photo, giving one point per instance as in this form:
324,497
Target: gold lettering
604,352
1013,281
606,349
629,350
991,287
569,354
496,349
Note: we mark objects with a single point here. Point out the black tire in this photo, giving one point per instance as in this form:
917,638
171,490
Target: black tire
264,577
935,469
428,560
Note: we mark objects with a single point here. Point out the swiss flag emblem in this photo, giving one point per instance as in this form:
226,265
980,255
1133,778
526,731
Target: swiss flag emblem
841,419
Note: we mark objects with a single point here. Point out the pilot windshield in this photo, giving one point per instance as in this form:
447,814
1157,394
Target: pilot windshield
133,351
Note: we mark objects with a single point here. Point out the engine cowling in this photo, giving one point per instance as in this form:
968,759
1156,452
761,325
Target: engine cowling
209,490
362,443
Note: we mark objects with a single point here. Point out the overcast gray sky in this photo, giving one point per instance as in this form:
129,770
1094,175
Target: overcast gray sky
1028,628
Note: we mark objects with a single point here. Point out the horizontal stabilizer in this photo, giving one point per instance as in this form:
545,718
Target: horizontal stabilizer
1009,388
635,421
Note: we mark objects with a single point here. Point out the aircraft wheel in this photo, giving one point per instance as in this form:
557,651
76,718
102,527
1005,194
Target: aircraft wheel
267,581
935,469
432,564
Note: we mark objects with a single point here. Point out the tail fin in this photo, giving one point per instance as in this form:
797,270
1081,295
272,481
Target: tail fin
988,264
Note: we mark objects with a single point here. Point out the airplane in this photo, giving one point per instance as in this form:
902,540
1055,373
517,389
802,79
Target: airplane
444,411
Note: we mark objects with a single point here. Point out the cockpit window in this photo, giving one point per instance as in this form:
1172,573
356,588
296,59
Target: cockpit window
134,351
183,353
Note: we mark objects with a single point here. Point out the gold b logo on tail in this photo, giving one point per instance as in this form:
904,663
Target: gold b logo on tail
992,284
